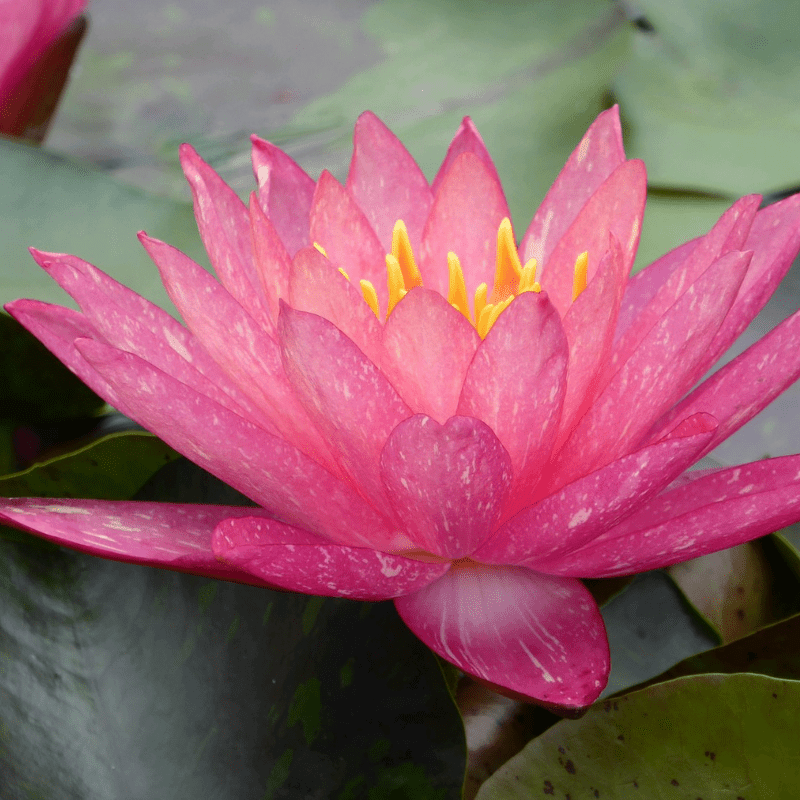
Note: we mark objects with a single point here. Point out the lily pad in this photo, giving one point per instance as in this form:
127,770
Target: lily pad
705,736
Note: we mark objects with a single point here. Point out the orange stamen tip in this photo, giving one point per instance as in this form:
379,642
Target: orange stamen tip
370,296
401,250
581,269
480,301
457,291
508,268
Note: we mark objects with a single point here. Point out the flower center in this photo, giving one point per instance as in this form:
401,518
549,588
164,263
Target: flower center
511,278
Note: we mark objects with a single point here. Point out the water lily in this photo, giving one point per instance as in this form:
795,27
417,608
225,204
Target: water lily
33,68
427,411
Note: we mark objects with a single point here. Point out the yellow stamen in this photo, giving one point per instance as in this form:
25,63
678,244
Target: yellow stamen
507,264
527,281
321,249
401,250
396,284
579,281
482,320
480,301
343,272
496,311
457,292
370,295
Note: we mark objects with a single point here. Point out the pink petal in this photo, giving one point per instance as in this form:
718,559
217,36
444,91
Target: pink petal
249,357
447,483
293,559
662,368
584,509
345,394
538,636
167,535
716,511
386,182
315,285
284,193
729,233
127,321
267,469
617,208
342,229
589,327
739,390
271,258
467,210
224,225
466,140
516,385
599,153
428,347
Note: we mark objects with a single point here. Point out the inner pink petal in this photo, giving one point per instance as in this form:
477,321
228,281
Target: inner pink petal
447,483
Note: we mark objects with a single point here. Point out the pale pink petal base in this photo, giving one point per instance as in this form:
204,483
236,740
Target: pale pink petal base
293,559
532,634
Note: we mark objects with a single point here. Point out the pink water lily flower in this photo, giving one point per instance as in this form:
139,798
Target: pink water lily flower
34,61
428,412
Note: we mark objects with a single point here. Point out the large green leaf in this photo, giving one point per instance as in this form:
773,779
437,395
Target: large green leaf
700,737
59,205
126,681
712,94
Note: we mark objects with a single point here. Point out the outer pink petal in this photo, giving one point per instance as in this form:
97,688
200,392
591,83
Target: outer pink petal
467,210
127,321
516,385
284,192
447,483
739,390
293,559
267,469
271,258
224,225
315,285
599,153
345,394
169,535
428,347
535,635
590,505
658,373
718,510
340,226
589,326
386,182
728,234
57,328
617,208
466,140
249,357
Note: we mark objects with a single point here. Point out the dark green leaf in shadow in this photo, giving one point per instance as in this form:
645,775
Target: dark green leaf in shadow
700,737
651,626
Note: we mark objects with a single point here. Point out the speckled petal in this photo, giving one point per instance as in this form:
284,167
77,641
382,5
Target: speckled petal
345,394
447,483
466,213
386,182
427,349
271,258
662,368
716,511
590,505
224,225
342,229
284,193
169,535
466,140
516,385
294,559
534,635
265,468
599,153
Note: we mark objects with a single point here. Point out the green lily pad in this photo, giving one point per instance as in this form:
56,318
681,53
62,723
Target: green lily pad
712,95
62,206
699,737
